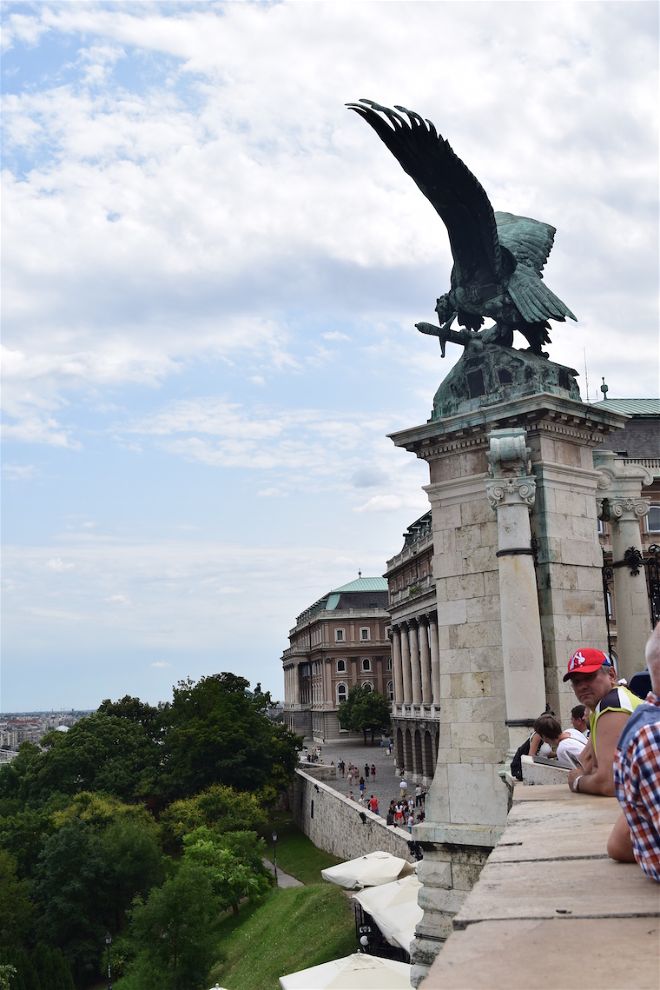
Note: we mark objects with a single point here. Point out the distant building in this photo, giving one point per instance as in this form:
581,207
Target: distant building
414,634
638,443
338,642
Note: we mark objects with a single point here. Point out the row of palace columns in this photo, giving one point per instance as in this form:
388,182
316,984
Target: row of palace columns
291,685
416,661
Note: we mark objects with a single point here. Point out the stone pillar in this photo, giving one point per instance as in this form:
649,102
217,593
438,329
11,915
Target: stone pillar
435,658
620,502
414,663
296,684
425,660
396,664
469,797
405,663
512,493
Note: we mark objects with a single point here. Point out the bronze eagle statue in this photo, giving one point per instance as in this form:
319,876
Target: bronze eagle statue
498,257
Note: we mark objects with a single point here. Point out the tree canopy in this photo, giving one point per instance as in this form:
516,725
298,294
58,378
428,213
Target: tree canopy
364,711
144,813
216,731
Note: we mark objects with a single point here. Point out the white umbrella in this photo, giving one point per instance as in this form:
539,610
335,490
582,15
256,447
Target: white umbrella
368,871
394,908
356,972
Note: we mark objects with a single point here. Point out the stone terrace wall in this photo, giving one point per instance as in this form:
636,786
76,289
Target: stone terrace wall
335,826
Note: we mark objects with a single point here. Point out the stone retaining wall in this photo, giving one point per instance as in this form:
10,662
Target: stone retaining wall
334,823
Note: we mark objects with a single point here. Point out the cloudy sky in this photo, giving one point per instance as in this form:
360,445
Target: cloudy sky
211,275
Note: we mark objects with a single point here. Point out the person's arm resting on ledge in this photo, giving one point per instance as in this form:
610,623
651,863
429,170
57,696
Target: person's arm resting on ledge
599,778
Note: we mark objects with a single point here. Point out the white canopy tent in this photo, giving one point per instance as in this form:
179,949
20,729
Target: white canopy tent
394,908
368,871
355,972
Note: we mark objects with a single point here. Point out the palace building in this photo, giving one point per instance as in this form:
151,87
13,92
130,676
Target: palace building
337,643
415,659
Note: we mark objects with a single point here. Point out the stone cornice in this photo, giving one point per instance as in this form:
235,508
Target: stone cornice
550,413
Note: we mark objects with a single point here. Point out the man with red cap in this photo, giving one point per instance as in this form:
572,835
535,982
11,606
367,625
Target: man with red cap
593,677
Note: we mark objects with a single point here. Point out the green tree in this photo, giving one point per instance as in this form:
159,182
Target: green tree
217,732
221,807
23,834
71,888
173,932
12,775
364,711
99,753
15,906
233,862
7,973
133,862
52,968
148,716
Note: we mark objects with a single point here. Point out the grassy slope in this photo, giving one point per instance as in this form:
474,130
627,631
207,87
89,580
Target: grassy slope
291,930
296,854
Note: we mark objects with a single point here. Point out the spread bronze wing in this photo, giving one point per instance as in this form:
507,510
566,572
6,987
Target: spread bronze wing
529,241
454,192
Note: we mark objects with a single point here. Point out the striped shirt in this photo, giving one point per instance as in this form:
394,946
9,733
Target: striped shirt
637,782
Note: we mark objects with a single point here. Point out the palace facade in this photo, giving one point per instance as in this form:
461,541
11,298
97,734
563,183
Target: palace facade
337,643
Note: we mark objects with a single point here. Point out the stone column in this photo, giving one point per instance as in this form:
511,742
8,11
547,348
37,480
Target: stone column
425,660
405,663
468,801
435,658
512,493
620,502
296,684
414,663
396,664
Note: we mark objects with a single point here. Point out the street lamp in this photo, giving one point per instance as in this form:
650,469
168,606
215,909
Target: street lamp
108,943
275,854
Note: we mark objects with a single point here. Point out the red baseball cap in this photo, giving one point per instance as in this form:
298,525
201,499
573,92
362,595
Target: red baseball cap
586,661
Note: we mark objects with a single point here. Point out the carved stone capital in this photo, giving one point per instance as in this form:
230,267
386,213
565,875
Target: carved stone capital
511,491
627,509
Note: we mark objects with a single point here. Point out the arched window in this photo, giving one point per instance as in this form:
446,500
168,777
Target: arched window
390,690
366,664
368,686
341,666
342,693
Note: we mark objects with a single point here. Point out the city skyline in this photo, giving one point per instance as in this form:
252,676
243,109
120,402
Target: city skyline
212,272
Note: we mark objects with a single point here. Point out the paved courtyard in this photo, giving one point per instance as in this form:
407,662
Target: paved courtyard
384,786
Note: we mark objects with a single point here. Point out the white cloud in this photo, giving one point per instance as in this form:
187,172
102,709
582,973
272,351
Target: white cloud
19,472
242,194
415,501
160,664
58,565
118,599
